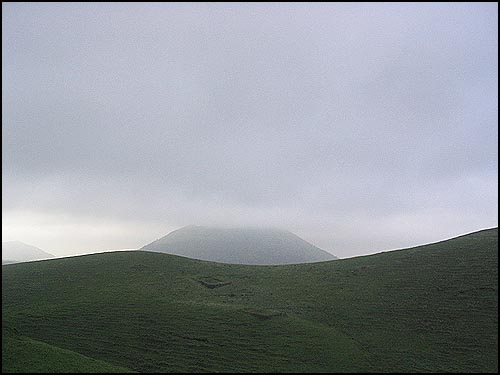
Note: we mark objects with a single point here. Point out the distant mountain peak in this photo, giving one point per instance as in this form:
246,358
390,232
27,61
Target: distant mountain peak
242,245
17,251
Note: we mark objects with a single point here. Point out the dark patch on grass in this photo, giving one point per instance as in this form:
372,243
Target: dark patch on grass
477,289
192,338
139,267
262,314
211,282
213,285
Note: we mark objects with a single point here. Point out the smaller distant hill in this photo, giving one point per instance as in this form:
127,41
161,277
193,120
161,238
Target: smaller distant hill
264,246
17,251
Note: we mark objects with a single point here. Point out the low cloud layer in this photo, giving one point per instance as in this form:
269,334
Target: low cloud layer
359,127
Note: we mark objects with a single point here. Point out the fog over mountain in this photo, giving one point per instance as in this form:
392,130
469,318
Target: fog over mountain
16,251
359,126
239,245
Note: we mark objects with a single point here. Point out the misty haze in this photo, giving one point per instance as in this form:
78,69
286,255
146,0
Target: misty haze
249,187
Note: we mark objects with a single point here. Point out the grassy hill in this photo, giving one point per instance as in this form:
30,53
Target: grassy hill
428,308
22,354
262,246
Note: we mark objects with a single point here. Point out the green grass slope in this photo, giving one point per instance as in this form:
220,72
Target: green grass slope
428,308
22,354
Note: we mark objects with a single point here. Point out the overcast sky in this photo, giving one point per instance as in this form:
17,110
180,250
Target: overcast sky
359,127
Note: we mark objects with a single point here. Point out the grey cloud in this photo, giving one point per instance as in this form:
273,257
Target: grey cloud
327,119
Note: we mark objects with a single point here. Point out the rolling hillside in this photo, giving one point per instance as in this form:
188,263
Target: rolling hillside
431,308
239,246
21,354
